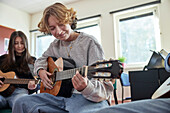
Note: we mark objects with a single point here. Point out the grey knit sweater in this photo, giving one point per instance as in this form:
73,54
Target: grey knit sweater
85,51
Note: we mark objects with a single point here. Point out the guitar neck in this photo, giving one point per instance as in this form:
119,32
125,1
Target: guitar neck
17,81
106,70
67,74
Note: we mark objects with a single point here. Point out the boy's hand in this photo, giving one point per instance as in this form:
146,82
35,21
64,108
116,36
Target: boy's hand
79,82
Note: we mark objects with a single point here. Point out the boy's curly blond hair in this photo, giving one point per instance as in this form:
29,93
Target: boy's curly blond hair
58,10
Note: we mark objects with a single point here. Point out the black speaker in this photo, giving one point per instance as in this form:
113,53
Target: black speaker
163,75
144,83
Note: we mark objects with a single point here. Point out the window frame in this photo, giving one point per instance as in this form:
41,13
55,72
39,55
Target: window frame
131,13
90,22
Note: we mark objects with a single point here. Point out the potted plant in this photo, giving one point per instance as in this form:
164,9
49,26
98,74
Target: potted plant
122,60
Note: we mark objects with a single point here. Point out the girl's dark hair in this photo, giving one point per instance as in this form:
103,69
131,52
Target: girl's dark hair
10,60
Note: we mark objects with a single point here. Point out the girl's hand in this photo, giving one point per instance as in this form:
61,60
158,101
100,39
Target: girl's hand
32,85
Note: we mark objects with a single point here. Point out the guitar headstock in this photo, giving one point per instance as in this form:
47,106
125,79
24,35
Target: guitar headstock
113,67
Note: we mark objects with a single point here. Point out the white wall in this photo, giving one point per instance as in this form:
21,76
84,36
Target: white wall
165,24
16,19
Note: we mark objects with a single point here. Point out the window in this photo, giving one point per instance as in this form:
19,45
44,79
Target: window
42,44
91,27
136,33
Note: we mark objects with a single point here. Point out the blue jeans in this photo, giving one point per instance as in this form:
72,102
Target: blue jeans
5,101
140,106
47,103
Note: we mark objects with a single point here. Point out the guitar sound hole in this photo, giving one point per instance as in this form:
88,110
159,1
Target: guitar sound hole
2,79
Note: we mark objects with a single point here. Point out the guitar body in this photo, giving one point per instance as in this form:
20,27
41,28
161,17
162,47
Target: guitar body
53,66
9,81
6,89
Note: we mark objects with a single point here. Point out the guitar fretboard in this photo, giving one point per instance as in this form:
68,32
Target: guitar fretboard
69,73
18,81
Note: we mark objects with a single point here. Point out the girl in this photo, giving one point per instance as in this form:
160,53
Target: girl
17,60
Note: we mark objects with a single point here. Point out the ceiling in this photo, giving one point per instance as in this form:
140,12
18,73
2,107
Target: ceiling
33,6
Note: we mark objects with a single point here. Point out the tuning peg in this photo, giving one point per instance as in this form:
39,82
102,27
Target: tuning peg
101,60
111,59
108,80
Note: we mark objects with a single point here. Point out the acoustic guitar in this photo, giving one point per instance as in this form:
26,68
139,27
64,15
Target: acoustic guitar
8,79
113,68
